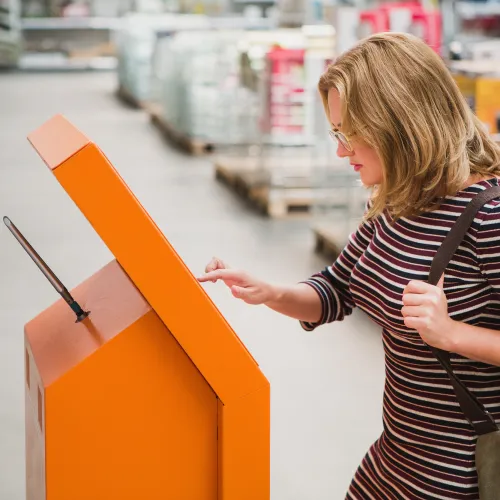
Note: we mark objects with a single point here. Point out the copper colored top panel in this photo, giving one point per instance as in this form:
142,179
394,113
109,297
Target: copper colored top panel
59,343
56,141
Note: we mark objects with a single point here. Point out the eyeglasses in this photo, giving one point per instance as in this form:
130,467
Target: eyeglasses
340,137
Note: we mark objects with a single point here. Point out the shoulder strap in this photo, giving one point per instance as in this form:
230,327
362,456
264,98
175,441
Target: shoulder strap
473,409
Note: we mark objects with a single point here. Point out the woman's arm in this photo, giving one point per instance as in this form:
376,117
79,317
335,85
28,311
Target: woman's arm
474,342
425,310
298,301
323,298
332,285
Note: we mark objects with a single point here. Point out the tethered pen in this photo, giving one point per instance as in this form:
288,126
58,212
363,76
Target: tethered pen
54,281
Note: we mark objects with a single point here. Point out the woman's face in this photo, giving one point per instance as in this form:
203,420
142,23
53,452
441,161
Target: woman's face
363,158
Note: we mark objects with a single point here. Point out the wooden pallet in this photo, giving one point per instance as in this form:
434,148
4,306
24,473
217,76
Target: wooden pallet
242,175
127,98
278,186
285,202
248,178
329,240
225,174
183,142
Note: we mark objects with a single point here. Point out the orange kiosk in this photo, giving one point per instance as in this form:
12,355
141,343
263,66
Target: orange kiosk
152,396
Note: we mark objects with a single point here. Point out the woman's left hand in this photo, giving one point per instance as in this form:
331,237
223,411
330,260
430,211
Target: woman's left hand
425,309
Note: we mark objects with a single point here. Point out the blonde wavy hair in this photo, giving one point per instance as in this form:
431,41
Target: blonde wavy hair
399,97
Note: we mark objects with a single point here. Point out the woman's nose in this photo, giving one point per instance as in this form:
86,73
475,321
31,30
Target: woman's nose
342,151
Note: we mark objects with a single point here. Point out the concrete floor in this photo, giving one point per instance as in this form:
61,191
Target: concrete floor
326,385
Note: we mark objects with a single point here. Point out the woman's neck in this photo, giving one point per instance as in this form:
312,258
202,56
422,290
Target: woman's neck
475,178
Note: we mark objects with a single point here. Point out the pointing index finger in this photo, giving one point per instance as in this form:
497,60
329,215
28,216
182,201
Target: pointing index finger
208,276
218,274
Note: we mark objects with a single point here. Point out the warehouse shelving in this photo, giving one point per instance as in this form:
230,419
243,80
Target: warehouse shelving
71,23
70,43
59,62
472,10
10,34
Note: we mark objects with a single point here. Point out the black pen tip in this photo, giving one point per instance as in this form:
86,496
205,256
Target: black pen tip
82,316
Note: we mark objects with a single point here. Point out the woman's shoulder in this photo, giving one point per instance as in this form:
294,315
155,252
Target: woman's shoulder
486,222
461,200
488,215
451,207
491,207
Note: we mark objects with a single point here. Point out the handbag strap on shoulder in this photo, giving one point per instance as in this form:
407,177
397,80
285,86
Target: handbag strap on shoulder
473,409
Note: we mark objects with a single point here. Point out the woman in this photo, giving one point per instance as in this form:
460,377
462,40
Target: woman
400,119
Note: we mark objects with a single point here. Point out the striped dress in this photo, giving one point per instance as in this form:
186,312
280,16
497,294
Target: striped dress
426,449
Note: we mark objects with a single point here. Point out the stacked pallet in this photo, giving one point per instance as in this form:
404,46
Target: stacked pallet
125,96
282,186
330,239
184,142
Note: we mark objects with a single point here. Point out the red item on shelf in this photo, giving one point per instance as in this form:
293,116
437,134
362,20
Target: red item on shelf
378,19
285,102
432,24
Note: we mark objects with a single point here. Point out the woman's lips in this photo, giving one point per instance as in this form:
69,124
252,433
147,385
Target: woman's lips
357,166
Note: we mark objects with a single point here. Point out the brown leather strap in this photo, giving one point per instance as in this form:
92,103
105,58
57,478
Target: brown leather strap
473,409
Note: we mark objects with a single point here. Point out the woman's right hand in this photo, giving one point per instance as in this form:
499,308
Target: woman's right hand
243,286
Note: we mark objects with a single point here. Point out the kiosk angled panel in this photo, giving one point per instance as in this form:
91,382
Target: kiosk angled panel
153,265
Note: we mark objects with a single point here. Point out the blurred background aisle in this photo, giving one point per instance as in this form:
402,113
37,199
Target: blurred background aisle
209,111
322,383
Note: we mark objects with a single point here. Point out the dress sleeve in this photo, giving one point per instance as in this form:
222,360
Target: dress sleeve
332,284
488,245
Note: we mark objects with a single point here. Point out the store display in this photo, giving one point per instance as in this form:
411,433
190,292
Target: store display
202,96
289,87
473,48
107,8
354,23
479,82
10,33
70,38
135,47
284,120
294,167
